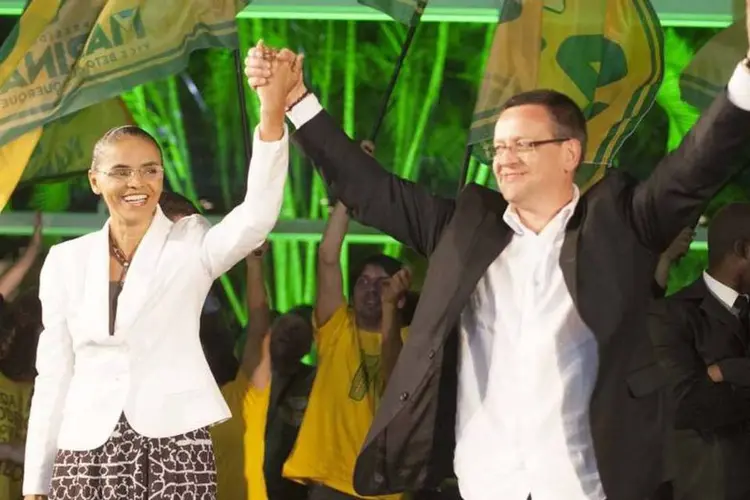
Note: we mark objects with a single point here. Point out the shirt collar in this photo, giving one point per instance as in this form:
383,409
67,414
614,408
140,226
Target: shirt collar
558,222
723,293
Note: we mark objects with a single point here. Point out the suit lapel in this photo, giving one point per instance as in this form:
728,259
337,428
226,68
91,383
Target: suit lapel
138,282
716,311
96,284
461,259
491,237
475,251
455,276
719,317
569,251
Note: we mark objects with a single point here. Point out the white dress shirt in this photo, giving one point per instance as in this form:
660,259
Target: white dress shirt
152,368
527,366
527,369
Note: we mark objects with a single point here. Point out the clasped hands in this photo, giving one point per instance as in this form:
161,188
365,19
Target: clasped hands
276,76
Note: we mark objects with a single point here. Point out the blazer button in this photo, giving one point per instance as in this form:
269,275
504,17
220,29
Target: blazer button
404,396
431,354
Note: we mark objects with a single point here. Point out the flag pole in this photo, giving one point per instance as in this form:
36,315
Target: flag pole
392,83
397,70
239,74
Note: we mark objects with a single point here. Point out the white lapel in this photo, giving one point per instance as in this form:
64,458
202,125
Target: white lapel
96,284
137,288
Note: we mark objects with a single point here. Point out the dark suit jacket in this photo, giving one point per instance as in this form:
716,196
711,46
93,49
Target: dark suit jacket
608,260
690,331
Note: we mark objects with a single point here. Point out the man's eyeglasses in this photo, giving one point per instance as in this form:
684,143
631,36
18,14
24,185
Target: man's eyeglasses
520,147
125,173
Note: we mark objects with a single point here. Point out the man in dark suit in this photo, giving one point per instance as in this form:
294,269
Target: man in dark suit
557,394
700,336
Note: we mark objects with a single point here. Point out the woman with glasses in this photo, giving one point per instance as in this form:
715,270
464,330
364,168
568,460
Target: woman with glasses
124,395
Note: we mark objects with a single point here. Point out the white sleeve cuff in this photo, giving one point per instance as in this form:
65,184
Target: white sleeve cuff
305,110
269,147
738,89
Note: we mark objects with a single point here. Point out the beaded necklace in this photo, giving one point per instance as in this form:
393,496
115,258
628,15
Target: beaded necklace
120,257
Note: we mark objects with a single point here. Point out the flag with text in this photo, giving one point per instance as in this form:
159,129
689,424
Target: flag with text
65,62
65,55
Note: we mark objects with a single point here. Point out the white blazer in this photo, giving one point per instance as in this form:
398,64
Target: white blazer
152,368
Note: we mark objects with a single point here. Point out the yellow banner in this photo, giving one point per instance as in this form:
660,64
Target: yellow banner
14,157
607,55
30,26
96,49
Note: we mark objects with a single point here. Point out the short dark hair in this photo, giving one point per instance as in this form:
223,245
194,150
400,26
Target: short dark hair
291,340
303,310
563,111
730,226
388,264
174,204
117,133
273,314
292,319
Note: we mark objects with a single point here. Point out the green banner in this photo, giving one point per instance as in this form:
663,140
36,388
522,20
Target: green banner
92,50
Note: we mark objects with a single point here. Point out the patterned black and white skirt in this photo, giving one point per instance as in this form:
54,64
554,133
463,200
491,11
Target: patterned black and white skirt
133,467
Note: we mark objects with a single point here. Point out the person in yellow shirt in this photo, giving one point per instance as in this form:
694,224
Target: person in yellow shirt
291,382
271,354
354,359
239,441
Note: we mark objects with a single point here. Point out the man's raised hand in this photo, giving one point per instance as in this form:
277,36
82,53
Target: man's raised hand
272,93
395,287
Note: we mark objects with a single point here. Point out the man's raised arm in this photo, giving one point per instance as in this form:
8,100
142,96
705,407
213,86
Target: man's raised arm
691,175
402,209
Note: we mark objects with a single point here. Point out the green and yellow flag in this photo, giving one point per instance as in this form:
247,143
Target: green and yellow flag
607,55
407,12
713,64
14,157
66,55
95,49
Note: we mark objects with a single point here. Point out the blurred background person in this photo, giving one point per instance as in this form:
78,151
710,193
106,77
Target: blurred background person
20,326
352,353
247,467
701,337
